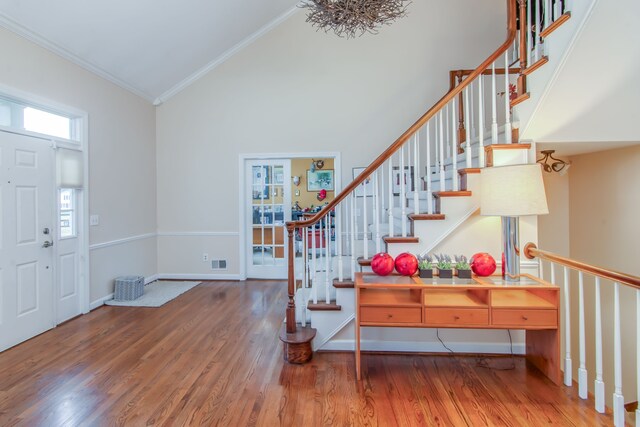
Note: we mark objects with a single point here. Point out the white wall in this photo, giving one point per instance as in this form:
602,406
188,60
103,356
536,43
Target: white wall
298,90
121,154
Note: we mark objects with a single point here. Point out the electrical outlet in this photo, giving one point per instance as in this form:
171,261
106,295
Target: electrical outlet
94,220
205,257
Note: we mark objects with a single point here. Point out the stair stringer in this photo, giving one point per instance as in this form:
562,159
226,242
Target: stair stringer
330,323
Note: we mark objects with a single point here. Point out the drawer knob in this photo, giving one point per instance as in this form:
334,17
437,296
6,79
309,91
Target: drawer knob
525,318
389,316
456,317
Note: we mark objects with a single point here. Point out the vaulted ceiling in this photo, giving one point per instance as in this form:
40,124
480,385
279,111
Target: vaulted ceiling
151,47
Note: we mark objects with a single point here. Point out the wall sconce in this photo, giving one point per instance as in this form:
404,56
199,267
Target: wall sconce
296,180
551,164
316,164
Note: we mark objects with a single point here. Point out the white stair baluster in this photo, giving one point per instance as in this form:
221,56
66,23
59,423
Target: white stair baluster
376,196
445,111
365,222
480,123
352,217
454,147
403,193
416,173
338,232
494,108
568,370
441,145
529,28
507,102
327,257
471,108
547,15
428,177
541,269
599,383
467,127
618,398
392,202
582,370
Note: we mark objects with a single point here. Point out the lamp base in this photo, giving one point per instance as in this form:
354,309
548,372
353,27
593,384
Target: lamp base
511,250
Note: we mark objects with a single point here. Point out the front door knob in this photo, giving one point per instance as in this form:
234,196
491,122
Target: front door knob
47,244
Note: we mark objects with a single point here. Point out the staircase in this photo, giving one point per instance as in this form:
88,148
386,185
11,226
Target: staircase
423,188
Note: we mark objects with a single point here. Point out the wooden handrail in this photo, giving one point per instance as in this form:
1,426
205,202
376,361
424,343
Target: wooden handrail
531,251
511,34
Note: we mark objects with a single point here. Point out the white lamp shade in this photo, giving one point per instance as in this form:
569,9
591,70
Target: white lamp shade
70,168
513,191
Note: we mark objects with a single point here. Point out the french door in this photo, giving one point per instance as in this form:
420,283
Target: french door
268,205
27,296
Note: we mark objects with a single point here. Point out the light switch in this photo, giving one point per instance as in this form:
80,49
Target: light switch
94,220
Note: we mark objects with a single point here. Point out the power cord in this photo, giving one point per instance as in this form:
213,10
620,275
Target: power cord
442,342
483,362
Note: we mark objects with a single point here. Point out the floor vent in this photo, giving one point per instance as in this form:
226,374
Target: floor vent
219,264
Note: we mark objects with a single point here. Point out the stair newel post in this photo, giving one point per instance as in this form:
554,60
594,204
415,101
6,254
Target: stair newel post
428,175
507,101
481,122
441,150
391,199
352,217
468,155
494,107
618,398
365,222
522,79
305,277
376,217
416,173
327,256
291,283
582,370
568,369
461,117
402,181
598,382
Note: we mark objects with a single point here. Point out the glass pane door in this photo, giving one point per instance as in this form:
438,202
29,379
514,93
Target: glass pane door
269,208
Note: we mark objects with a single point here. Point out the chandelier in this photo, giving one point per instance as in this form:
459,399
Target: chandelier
351,18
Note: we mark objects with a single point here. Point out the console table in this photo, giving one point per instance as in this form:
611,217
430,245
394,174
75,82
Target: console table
480,302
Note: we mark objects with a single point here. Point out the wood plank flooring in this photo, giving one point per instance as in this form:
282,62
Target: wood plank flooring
212,357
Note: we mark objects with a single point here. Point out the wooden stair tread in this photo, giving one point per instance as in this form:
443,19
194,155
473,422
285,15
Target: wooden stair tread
438,194
507,147
364,262
539,63
400,239
426,217
555,24
323,306
520,99
467,171
631,406
301,335
345,284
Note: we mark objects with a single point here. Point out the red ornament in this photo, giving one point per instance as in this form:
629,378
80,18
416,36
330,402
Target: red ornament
483,264
322,194
382,264
406,264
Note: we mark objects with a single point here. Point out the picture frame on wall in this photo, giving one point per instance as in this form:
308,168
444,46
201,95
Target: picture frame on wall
406,177
320,179
366,187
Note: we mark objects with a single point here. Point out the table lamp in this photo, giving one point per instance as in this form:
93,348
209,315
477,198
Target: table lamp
511,192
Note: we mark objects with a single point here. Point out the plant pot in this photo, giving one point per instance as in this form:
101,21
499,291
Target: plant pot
464,274
426,274
445,274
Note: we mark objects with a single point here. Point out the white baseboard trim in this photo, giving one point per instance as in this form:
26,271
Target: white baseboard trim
150,279
426,347
186,276
99,302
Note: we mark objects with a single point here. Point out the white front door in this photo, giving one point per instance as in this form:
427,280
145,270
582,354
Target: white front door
68,255
26,238
268,208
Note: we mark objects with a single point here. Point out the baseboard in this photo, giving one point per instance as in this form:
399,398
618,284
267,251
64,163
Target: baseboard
426,347
99,302
186,276
150,279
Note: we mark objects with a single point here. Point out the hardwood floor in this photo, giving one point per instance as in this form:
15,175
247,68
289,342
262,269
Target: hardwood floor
212,357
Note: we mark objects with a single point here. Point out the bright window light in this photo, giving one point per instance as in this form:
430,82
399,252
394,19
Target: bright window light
47,123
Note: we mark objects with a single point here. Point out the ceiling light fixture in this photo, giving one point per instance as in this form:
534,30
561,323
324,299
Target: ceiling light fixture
551,164
351,18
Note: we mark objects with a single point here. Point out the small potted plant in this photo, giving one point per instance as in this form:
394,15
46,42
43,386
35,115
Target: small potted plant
444,266
463,269
425,266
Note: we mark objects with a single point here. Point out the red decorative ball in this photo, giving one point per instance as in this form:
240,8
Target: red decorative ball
483,264
406,264
382,264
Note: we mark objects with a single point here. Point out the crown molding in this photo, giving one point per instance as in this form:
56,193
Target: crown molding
225,56
41,41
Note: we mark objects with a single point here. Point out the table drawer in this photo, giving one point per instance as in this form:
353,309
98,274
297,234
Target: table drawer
525,318
391,314
456,316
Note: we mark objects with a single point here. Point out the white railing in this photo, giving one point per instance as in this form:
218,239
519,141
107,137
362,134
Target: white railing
589,276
